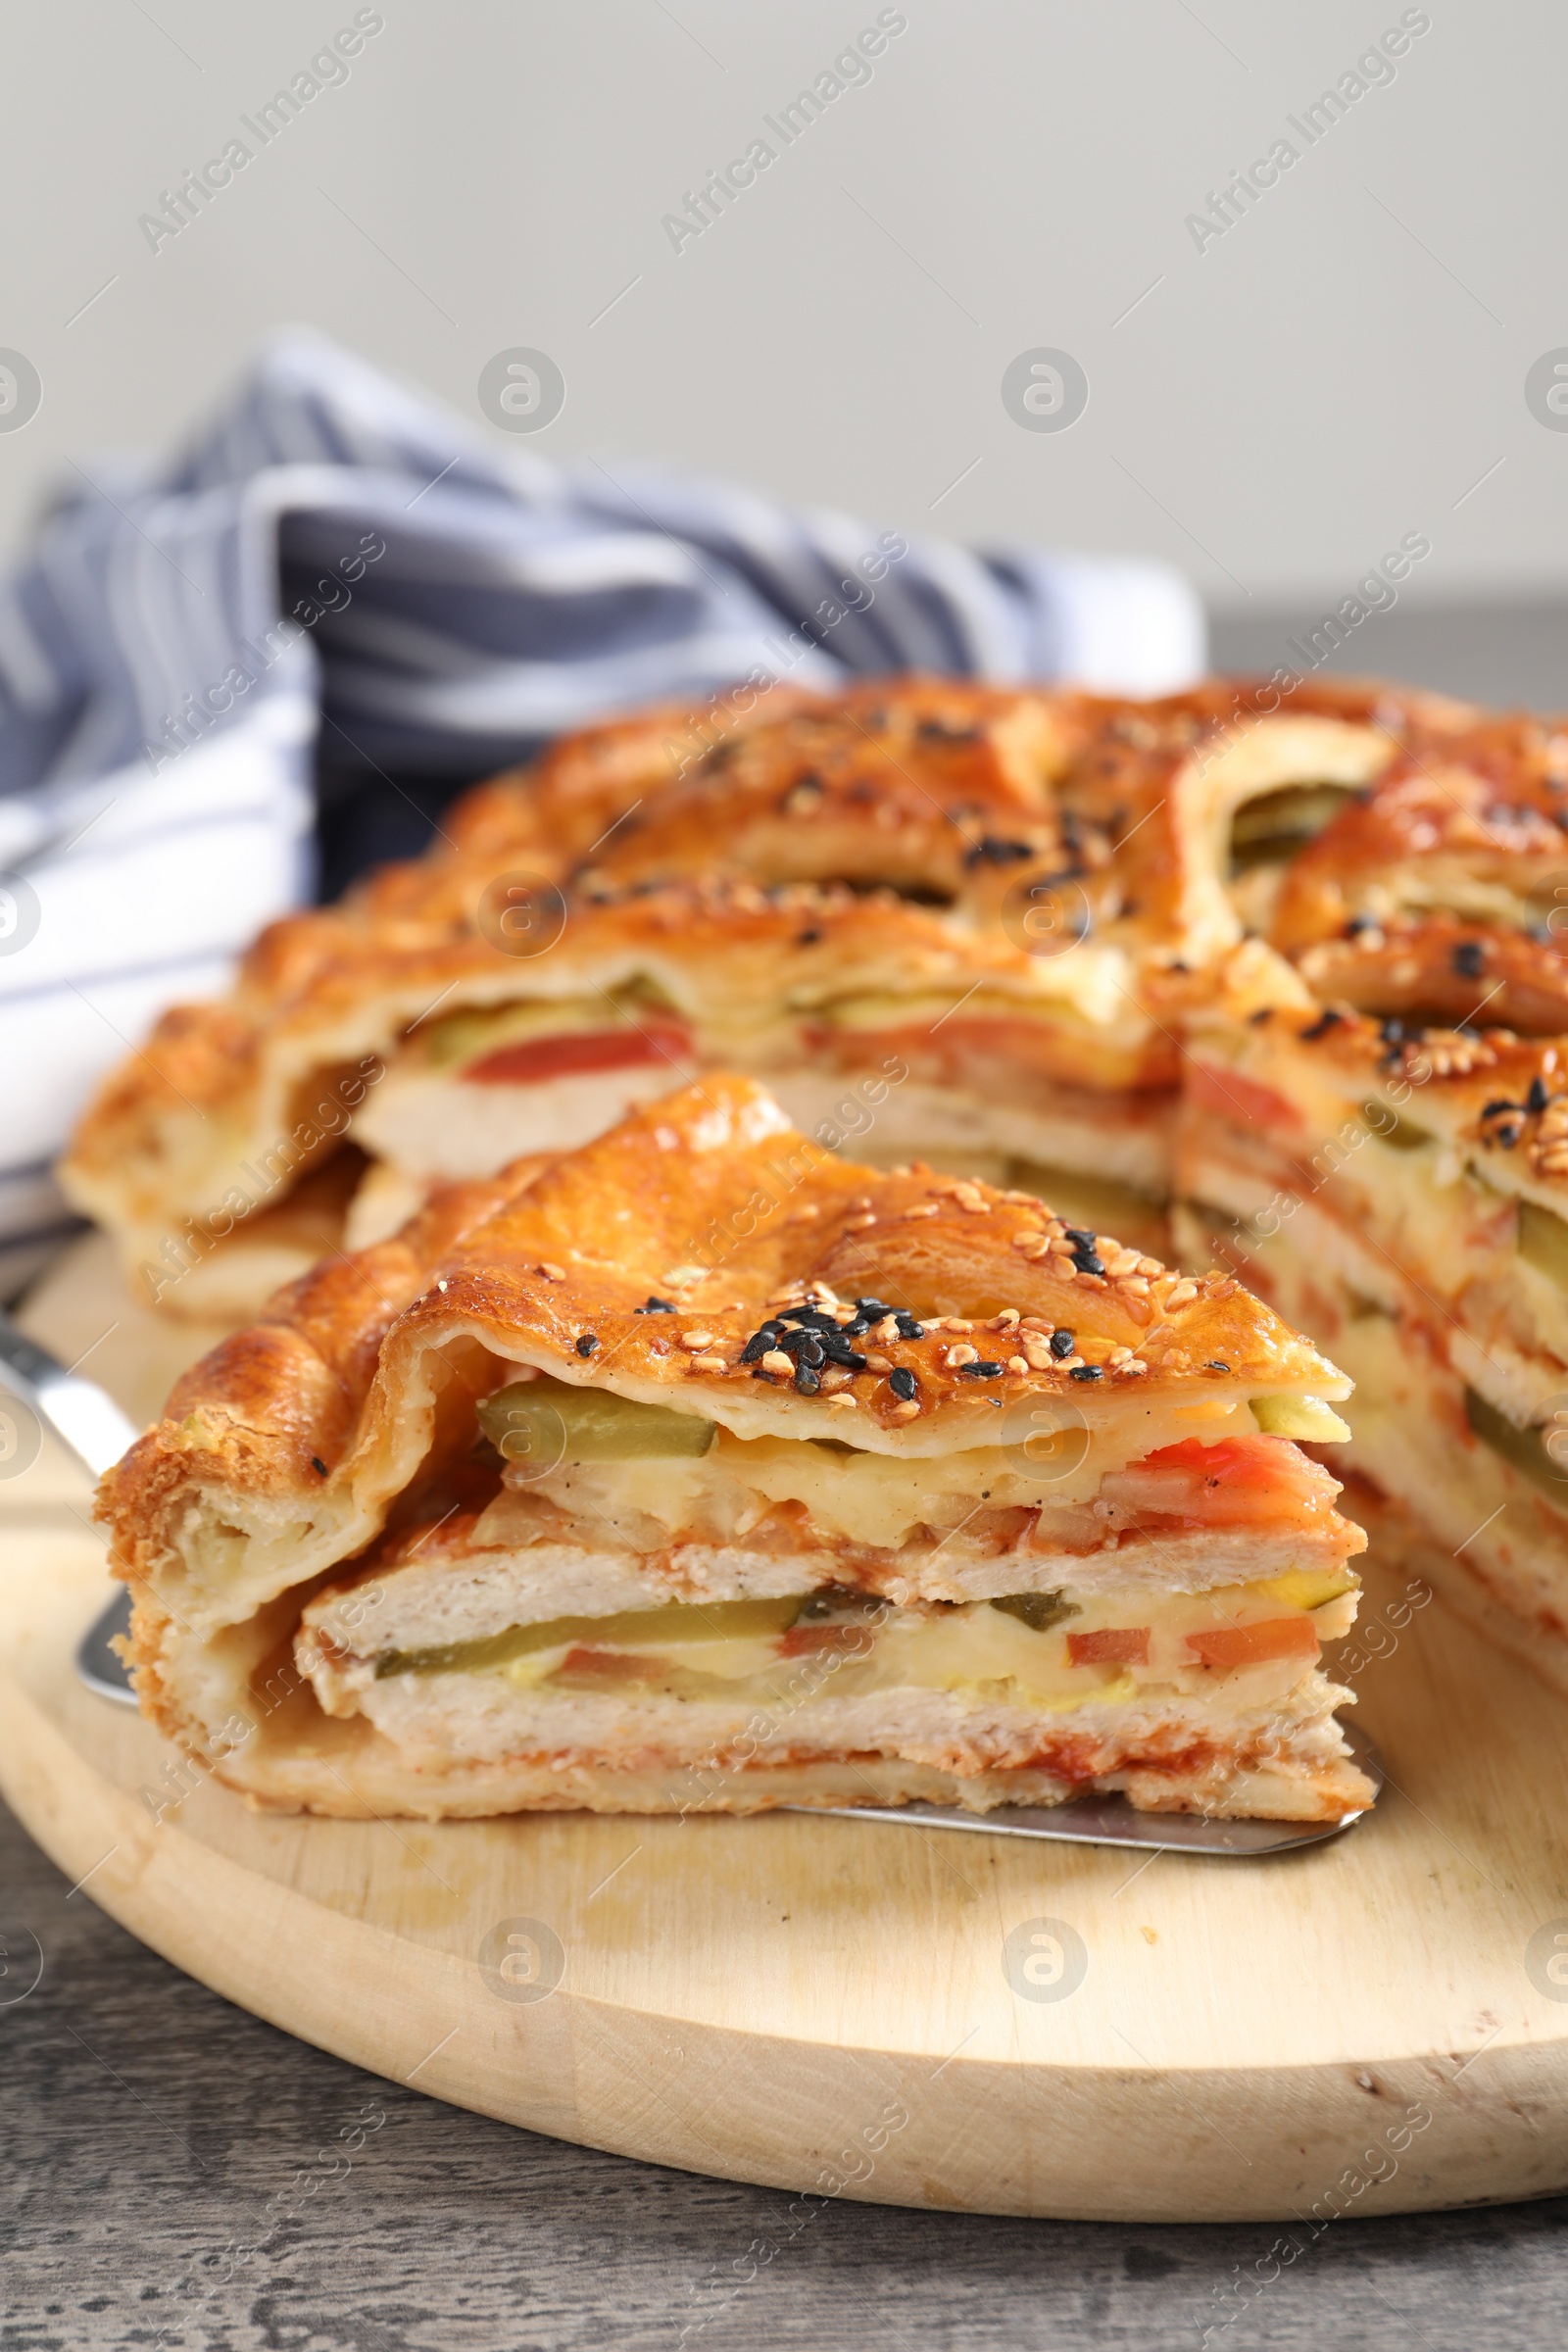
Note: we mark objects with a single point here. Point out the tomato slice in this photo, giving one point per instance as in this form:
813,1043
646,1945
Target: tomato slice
1112,1646
1240,1101
612,1666
1231,1483
576,1053
1225,1646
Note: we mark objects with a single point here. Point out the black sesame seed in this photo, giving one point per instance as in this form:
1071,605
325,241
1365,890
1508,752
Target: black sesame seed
1214,1365
1470,959
931,730
317,1465
1084,1372
1062,1344
807,1380
1359,923
657,1306
1264,1013
808,938
1538,1097
1508,1135
875,1308
979,1371
587,1344
910,1328
990,849
903,1384
1325,1022
1501,1103
771,1378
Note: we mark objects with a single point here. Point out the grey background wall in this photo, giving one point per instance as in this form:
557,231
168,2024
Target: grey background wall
1270,406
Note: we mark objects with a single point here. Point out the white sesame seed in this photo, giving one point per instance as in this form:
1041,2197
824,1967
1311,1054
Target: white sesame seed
904,1412
962,1355
775,1361
924,1209
1018,1363
708,1363
550,1272
843,1401
698,1339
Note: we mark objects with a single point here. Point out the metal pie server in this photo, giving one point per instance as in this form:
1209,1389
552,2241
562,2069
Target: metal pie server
89,1422
85,1418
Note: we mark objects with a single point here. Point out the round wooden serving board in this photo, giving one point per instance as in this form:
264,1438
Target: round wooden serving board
835,2007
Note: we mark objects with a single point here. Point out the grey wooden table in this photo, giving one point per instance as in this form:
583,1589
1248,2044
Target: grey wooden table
147,2127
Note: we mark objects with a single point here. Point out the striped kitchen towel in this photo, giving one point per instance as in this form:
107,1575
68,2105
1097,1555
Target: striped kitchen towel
233,679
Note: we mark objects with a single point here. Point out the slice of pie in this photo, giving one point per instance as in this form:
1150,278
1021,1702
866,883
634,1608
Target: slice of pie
703,1469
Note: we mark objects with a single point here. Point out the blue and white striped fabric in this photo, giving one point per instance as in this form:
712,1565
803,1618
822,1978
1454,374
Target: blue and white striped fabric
337,585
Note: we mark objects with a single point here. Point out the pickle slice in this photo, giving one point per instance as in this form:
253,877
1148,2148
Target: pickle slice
1037,1610
1273,827
633,1628
1401,1134
1542,1454
540,1424
1543,1241
1298,1417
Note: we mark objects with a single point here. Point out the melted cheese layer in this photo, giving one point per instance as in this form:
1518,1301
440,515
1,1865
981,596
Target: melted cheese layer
880,1498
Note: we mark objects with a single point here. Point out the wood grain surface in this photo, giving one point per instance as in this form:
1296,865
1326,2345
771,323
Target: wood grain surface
156,2139
849,2009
